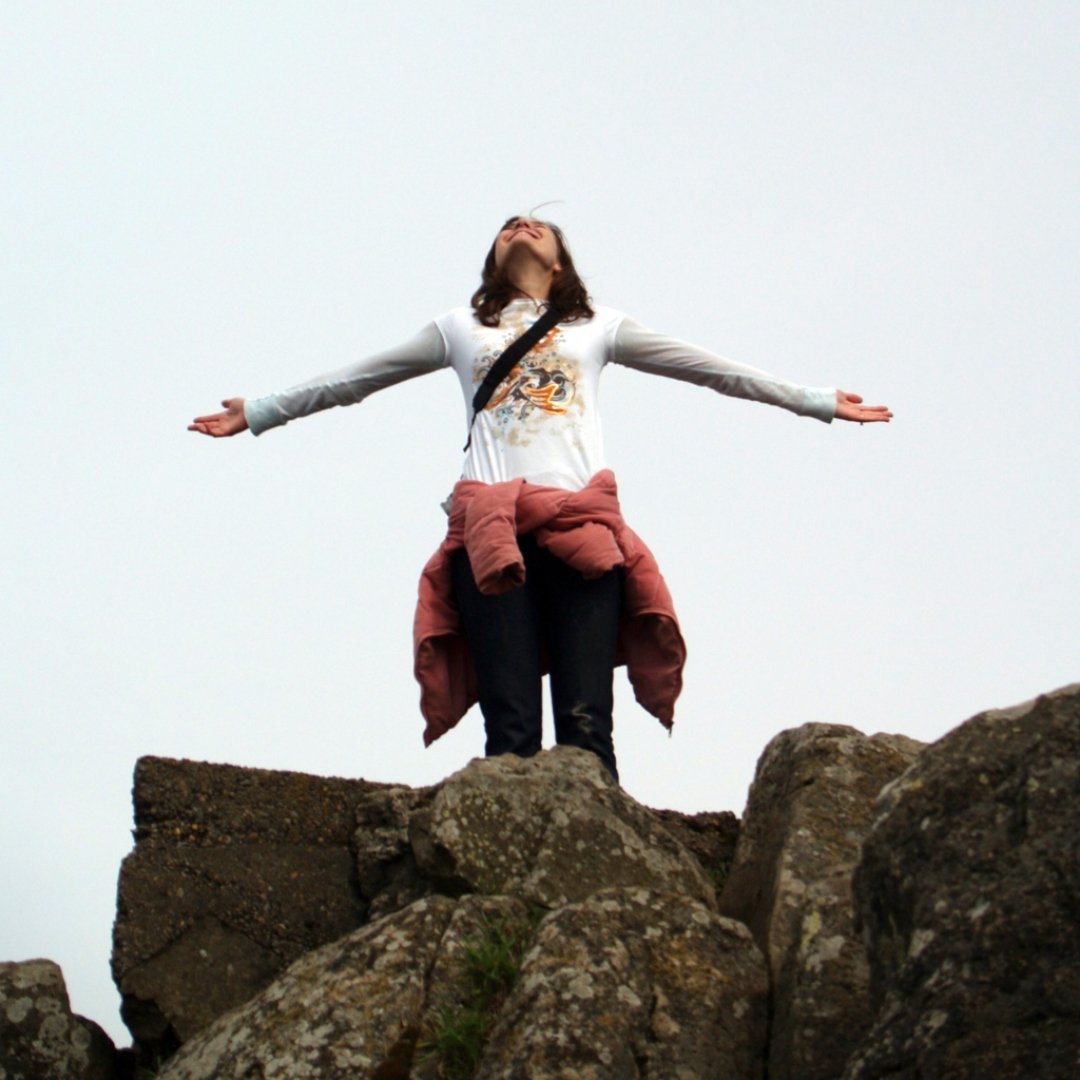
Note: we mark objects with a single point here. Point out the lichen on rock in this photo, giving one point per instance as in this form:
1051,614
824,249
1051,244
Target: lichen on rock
634,982
810,806
967,898
573,831
40,1037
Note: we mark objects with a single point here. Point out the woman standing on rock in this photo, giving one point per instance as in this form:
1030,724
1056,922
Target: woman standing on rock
538,571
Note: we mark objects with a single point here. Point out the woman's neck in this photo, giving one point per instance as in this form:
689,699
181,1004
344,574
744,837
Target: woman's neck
531,279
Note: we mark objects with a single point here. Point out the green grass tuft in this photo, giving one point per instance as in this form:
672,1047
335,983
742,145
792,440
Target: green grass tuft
492,962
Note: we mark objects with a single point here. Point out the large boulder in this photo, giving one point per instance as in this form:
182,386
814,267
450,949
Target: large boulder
235,874
969,897
628,983
351,1009
809,808
551,829
40,1037
452,838
634,983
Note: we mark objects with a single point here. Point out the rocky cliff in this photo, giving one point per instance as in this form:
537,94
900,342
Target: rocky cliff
884,909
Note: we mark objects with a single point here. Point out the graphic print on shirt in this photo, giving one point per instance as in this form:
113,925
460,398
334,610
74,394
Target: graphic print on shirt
529,385
539,387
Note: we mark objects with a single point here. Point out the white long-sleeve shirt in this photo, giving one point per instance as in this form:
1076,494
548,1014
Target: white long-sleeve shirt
542,423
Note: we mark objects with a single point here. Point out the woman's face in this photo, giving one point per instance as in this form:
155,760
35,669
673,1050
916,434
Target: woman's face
529,233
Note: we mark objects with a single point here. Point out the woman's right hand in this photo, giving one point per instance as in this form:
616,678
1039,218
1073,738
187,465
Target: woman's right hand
229,422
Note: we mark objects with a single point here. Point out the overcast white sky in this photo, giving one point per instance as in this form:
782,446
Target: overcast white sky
204,199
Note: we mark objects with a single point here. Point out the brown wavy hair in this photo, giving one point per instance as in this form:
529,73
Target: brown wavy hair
568,294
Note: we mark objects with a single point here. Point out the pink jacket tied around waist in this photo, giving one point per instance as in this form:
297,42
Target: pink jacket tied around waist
583,528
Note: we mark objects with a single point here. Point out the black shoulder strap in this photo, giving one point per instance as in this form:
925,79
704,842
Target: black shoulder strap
508,358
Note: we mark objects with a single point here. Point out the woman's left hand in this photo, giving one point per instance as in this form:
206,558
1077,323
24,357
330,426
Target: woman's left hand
850,407
230,422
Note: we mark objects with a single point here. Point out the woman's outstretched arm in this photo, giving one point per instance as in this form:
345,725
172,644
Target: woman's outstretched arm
347,386
637,347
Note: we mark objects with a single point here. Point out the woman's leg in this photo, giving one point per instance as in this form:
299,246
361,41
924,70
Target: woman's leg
504,639
581,622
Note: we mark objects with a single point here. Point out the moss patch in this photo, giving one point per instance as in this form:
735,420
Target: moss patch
490,964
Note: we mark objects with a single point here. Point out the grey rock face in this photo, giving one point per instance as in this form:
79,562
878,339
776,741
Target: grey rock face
634,983
810,806
969,896
391,874
645,976
40,1038
628,983
235,874
550,829
710,837
351,1009
246,889
386,869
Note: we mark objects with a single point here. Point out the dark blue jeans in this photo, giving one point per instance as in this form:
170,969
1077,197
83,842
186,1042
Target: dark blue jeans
576,622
